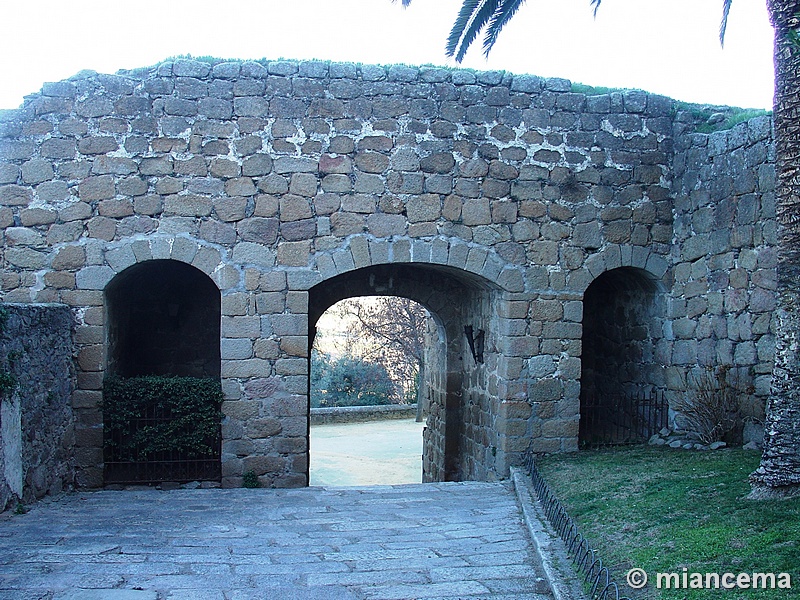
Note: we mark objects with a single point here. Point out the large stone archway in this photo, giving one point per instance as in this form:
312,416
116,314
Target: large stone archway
458,439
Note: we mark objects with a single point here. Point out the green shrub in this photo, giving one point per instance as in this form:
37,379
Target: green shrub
8,381
349,381
250,480
190,408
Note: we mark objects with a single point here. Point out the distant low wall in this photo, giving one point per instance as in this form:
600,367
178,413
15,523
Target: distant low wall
358,414
37,431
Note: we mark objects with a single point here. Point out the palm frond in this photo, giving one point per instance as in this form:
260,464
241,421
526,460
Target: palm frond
472,16
481,20
723,26
502,15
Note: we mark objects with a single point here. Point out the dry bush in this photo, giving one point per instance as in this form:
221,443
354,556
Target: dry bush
712,404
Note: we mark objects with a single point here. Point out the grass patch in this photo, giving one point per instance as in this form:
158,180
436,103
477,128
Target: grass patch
732,120
708,119
662,510
593,90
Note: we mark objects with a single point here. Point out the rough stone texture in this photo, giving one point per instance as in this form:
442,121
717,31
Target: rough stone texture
725,234
498,198
37,436
312,544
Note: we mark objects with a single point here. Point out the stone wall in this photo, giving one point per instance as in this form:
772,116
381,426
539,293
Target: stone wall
37,434
493,199
359,414
434,386
723,298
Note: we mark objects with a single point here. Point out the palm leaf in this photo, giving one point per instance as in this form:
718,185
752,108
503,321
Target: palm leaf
502,15
723,26
465,15
472,17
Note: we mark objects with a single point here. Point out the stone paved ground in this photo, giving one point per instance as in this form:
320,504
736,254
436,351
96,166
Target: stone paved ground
450,540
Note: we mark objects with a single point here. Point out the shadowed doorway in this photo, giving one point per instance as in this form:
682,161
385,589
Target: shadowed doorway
162,390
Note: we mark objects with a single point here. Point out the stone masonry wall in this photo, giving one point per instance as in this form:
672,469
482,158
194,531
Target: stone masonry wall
274,177
723,297
359,414
37,434
434,387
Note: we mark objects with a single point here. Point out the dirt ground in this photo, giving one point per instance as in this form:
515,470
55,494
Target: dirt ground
372,453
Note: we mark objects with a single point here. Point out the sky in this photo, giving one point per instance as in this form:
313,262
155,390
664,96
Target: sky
668,47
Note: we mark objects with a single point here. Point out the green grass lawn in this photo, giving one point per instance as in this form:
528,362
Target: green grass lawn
661,510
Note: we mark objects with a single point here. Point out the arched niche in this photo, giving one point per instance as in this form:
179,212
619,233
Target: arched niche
621,372
163,319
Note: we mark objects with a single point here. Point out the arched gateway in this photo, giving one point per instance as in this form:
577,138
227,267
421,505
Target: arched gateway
459,443
495,200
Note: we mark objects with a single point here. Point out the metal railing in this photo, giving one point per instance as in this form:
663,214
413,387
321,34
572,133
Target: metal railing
596,575
126,462
623,418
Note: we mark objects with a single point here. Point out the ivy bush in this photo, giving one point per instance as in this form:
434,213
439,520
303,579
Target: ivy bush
188,409
8,380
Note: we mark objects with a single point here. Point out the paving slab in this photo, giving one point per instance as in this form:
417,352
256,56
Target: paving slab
443,540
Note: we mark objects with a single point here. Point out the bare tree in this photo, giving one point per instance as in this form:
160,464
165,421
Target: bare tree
390,330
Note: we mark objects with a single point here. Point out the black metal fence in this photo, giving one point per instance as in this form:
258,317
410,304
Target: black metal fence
619,419
595,574
126,463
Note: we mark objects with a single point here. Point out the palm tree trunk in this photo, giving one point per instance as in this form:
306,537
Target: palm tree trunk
779,471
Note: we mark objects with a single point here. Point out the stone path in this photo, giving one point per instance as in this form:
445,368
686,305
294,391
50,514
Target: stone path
449,540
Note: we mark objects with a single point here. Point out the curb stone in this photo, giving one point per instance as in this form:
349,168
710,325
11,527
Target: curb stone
556,564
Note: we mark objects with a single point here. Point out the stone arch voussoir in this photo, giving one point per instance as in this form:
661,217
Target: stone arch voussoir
615,256
366,251
120,256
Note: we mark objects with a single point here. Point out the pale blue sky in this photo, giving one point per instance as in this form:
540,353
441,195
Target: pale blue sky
668,47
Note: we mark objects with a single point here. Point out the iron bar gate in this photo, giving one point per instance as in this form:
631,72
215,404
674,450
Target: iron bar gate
622,418
128,464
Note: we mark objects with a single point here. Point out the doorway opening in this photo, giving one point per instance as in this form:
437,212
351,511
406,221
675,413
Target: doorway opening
622,400
457,437
367,397
162,391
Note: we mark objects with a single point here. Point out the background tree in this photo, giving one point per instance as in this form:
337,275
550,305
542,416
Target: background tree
390,331
779,472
